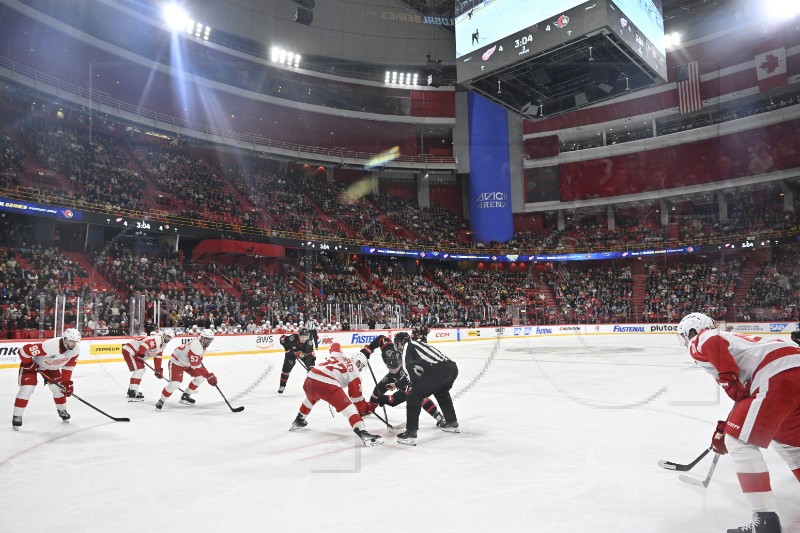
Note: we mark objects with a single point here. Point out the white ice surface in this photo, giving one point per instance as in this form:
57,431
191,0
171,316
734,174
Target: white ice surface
559,434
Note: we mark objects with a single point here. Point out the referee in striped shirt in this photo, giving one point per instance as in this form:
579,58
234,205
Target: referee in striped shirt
432,374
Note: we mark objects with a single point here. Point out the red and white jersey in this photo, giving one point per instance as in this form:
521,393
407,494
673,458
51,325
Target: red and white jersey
339,369
48,355
189,355
751,357
151,346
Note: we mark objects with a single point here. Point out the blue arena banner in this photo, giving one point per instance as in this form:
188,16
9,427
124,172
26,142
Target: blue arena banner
490,213
30,208
535,258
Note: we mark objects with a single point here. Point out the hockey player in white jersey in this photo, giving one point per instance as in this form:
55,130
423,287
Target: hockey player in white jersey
188,358
762,377
54,359
137,351
327,381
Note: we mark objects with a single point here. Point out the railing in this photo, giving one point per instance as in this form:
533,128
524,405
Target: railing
36,195
249,138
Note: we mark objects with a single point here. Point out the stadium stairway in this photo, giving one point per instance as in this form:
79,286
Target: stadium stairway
97,281
638,289
746,279
223,283
151,191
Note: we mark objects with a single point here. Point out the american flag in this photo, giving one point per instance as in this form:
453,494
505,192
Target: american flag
688,79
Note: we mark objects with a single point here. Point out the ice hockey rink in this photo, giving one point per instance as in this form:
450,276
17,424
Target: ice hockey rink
559,434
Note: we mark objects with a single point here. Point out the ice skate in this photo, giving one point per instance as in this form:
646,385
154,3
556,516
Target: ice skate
298,423
449,427
64,415
407,437
367,438
281,389
187,399
762,523
134,396
159,404
16,422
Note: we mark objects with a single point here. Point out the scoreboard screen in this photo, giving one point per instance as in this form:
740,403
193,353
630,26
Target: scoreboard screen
493,34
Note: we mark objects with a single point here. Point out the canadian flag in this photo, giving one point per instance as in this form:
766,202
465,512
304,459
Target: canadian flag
771,69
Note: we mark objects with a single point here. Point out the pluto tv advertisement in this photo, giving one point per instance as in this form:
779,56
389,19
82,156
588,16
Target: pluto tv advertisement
494,34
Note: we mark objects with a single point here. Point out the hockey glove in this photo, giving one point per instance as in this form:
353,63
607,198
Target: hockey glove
212,380
366,351
370,408
67,389
733,387
28,365
718,440
386,399
160,373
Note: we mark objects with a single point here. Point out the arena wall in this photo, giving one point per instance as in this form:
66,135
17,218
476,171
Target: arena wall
109,349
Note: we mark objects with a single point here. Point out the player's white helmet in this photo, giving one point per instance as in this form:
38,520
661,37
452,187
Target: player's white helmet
206,336
167,334
692,324
359,360
71,338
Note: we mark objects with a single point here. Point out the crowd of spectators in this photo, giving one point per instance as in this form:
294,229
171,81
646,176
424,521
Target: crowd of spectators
677,289
201,193
92,162
775,292
593,294
365,291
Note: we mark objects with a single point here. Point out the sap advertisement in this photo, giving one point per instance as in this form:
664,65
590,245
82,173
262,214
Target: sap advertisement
30,208
496,33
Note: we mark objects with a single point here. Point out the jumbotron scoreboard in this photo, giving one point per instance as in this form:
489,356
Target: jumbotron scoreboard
497,40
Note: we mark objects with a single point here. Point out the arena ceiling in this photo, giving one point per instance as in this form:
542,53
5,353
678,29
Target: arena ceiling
675,11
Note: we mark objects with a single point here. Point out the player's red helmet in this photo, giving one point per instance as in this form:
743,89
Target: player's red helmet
336,347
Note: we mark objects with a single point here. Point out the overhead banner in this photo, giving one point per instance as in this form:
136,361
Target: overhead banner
490,213
30,208
514,258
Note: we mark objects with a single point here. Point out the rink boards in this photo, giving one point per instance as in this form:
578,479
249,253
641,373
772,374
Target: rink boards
109,349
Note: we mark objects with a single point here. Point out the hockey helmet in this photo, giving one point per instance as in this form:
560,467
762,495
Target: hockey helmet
359,360
336,348
400,339
391,358
303,334
71,338
167,334
691,325
206,336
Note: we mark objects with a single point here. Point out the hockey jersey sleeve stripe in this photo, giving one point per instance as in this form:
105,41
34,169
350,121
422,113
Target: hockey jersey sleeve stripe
430,354
777,361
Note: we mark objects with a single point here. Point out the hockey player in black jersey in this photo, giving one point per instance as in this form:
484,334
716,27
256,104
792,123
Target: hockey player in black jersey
420,333
431,373
397,380
796,334
298,346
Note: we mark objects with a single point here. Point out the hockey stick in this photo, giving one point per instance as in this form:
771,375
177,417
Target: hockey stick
154,371
60,386
707,480
682,468
386,416
388,425
234,409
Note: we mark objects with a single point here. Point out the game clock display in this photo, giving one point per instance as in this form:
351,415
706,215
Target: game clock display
494,34
487,46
